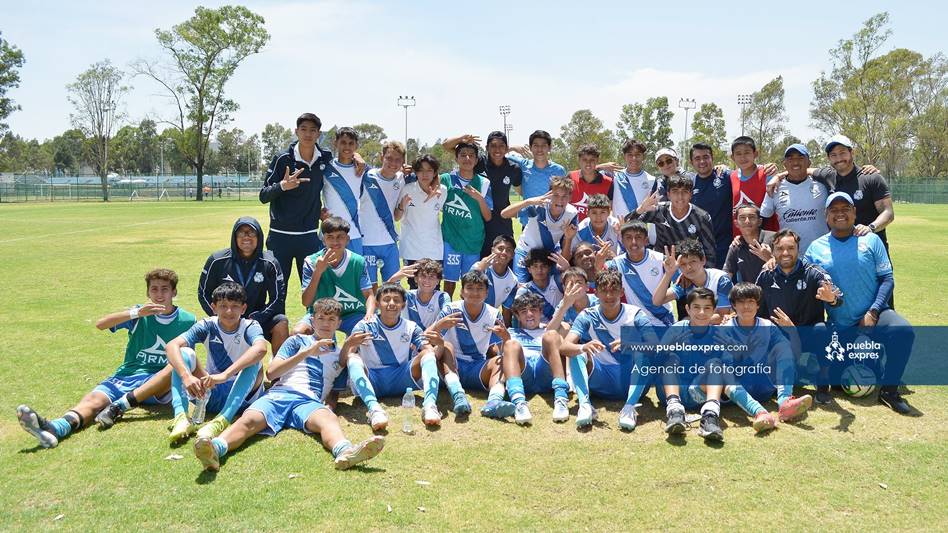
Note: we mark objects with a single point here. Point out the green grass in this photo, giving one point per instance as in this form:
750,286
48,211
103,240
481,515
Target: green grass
64,265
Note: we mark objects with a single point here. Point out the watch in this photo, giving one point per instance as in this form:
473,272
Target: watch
872,227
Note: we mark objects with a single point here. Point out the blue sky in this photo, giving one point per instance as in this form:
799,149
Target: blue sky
347,61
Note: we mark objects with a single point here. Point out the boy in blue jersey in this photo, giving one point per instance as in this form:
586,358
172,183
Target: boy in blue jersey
502,283
537,172
144,376
550,220
381,189
641,269
543,280
474,332
303,372
343,188
425,302
599,227
576,297
232,376
389,355
712,192
690,265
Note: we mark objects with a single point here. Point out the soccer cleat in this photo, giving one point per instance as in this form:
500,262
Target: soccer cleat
360,453
109,416
430,415
675,422
710,427
893,400
181,428
823,395
585,415
628,416
764,421
205,452
213,428
377,418
461,405
37,426
560,409
522,414
794,408
497,409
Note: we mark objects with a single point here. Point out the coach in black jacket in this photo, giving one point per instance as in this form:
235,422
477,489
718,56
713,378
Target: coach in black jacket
246,263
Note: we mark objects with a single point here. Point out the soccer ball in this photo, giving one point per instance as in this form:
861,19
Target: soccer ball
858,381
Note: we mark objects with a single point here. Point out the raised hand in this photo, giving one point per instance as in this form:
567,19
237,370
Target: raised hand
775,182
827,293
770,169
449,321
501,331
357,339
561,263
407,271
541,200
474,193
327,259
292,181
780,318
150,308
610,167
592,347
671,260
649,204
573,293
570,230
317,347
762,251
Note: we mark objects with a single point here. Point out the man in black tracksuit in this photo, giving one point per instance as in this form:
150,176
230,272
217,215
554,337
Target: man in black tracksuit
246,263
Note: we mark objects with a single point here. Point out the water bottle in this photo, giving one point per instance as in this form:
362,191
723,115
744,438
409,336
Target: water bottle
408,411
197,413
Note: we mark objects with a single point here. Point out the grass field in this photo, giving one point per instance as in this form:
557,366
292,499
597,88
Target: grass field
853,466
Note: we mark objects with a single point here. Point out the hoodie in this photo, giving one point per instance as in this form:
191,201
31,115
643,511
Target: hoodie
260,276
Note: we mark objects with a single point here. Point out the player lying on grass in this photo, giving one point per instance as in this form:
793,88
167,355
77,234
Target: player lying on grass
303,372
145,367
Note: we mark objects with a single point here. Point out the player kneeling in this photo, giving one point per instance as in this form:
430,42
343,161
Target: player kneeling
303,371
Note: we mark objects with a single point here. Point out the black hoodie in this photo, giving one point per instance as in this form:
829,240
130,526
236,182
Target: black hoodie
260,276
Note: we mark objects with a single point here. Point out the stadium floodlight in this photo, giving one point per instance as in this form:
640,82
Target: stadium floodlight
406,102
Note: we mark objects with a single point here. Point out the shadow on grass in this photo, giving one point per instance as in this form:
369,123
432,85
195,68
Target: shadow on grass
34,449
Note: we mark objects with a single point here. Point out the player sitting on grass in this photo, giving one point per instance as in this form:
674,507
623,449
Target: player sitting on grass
473,331
149,327
501,280
390,354
232,376
549,218
543,280
424,303
303,372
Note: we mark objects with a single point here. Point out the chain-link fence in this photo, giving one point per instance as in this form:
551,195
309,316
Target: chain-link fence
920,190
30,188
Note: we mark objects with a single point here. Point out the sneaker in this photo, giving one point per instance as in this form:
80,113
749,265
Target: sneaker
213,428
181,428
498,409
377,418
892,399
430,415
522,414
627,417
585,415
37,426
710,427
109,416
205,452
823,395
560,409
763,421
794,408
360,453
675,422
461,405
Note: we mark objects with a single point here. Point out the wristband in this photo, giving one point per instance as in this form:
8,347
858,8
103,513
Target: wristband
133,313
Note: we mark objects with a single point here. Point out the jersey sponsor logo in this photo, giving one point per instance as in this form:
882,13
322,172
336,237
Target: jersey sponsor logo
458,208
857,195
154,354
347,300
718,183
799,215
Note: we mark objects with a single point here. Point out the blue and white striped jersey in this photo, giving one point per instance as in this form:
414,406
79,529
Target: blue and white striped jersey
389,347
223,347
424,314
592,325
639,281
542,230
314,375
530,339
501,289
474,335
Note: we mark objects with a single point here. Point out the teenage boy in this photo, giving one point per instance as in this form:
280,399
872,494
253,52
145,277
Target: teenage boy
632,184
599,227
549,218
641,269
501,281
712,192
543,280
467,206
143,377
538,171
344,185
749,180
690,263
303,372
381,189
677,219
425,302
588,180
576,297
753,248
798,202
339,273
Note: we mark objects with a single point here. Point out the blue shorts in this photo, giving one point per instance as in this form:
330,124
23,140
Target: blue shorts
219,395
470,374
537,376
392,380
117,386
285,409
387,255
519,268
606,381
348,322
455,263
355,245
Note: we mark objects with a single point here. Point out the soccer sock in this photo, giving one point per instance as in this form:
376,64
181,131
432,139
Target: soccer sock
131,400
713,406
363,387
220,446
179,397
785,377
342,446
239,391
496,393
673,403
453,383
515,390
61,427
743,399
429,378
560,388
577,367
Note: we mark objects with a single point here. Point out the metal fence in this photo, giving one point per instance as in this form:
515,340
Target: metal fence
21,188
920,190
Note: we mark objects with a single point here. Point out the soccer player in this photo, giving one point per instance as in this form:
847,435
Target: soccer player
690,263
860,267
344,176
549,218
232,377
586,257
419,210
381,189
538,171
257,271
588,180
501,280
576,297
292,188
466,208
677,219
641,269
303,372
752,248
143,377
543,280
749,181
712,192
632,184
599,227
799,200
424,303
339,273
389,355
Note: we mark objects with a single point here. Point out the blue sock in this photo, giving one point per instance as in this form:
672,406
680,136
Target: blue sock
785,378
361,382
342,446
61,427
123,404
637,383
577,367
515,390
220,446
239,391
496,393
179,397
743,399
560,388
453,383
429,379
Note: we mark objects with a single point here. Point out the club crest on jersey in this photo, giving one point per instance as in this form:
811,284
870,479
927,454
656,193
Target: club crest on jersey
718,183
653,271
322,166
506,180
258,277
692,229
396,186
857,195
815,190
801,284
458,208
405,337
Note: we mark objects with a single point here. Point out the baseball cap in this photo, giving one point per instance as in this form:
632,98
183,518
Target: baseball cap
838,139
666,151
798,148
839,195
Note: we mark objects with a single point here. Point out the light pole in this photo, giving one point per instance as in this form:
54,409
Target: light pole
687,104
406,102
507,129
504,111
743,100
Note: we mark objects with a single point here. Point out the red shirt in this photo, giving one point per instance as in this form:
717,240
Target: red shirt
583,189
753,190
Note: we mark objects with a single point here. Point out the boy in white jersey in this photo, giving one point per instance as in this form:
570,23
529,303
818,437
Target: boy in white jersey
474,332
389,355
303,372
232,376
599,227
543,280
342,189
549,218
641,269
690,263
424,303
632,185
382,187
502,283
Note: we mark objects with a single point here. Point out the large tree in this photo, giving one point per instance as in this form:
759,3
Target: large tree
766,118
11,60
275,139
707,127
371,138
204,51
649,123
97,96
67,151
583,128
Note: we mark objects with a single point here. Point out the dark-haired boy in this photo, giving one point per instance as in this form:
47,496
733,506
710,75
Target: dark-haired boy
641,269
381,188
467,206
754,247
344,185
632,184
502,283
588,180
551,222
424,303
599,227
538,171
712,192
690,263
749,180
543,280
677,219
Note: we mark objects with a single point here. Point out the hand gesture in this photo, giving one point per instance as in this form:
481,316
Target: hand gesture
770,169
603,254
150,308
541,200
403,204
435,190
775,182
611,166
826,292
770,264
569,231
486,262
407,271
359,163
434,338
324,214
474,193
501,331
357,339
762,251
615,345
448,322
561,263
523,150
649,204
193,385
327,259
736,241
780,318
573,293
292,181
592,347
671,260
317,347
469,138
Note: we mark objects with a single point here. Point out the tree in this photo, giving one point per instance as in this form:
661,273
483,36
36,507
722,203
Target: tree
228,149
205,52
248,155
583,128
275,139
67,151
707,127
766,118
11,60
371,138
649,123
124,150
96,95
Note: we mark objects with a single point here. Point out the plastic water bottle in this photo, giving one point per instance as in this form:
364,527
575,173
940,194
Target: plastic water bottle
408,411
197,413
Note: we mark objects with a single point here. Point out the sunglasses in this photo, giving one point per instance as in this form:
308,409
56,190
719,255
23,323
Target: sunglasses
664,162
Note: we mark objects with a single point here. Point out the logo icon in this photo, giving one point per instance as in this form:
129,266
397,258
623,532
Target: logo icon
801,284
857,195
154,353
506,180
345,298
457,207
835,350
717,182
258,277
692,229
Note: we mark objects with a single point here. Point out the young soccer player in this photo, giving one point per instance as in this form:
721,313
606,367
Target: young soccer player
690,262
381,189
641,269
467,206
749,181
390,354
232,377
424,303
677,219
752,249
538,171
419,210
543,280
633,184
576,297
303,371
143,377
343,186
586,256
339,273
501,280
588,180
599,227
549,218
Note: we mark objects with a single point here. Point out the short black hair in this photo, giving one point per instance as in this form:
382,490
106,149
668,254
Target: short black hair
474,276
699,146
540,134
309,117
743,140
588,149
608,278
497,135
745,290
690,247
387,287
701,293
634,225
504,238
462,145
231,291
746,204
334,224
680,181
346,131
426,158
633,144
574,272
537,255
598,201
787,232
527,299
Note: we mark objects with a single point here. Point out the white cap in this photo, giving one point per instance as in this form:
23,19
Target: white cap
838,139
666,151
